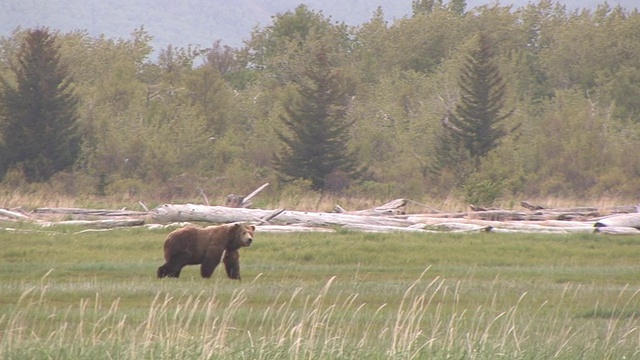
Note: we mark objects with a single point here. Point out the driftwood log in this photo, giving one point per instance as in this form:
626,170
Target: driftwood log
89,213
221,214
575,221
99,224
12,215
390,217
620,220
395,207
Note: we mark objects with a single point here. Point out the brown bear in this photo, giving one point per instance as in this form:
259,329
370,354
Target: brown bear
192,245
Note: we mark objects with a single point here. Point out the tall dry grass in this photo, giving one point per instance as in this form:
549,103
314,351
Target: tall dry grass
44,196
429,322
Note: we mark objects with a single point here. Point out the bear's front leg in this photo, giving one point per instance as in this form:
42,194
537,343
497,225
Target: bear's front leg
210,261
232,264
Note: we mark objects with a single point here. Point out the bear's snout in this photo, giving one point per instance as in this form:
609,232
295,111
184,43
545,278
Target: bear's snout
249,241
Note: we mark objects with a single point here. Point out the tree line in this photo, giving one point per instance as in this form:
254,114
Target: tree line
480,103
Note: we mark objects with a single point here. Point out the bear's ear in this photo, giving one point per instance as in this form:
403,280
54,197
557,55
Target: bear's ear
236,226
253,228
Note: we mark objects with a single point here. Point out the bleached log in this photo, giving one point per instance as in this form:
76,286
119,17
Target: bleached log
620,220
271,216
459,227
174,225
506,215
617,230
586,210
532,231
204,196
255,192
93,231
100,224
13,215
498,215
236,201
525,226
384,229
532,228
530,206
394,207
291,229
622,209
90,212
221,214
415,217
29,231
420,228
146,209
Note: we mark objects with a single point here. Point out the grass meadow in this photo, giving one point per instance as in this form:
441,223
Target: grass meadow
348,295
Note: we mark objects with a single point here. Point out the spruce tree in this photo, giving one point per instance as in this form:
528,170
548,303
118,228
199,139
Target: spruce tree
476,119
39,112
316,143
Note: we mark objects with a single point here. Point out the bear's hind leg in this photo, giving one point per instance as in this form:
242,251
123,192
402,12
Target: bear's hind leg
174,265
162,271
167,270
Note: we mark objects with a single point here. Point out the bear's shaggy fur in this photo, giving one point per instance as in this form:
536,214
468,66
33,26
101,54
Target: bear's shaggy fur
192,245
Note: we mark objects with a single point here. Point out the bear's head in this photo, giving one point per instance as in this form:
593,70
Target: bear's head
242,234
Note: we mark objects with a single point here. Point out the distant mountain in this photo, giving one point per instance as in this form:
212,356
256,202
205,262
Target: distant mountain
202,22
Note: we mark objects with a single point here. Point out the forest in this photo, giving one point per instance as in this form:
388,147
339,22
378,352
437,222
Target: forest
481,104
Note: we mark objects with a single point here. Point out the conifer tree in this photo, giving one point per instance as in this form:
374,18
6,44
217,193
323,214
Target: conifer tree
476,119
316,143
39,118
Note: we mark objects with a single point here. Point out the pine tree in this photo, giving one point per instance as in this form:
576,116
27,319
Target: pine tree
316,144
476,119
39,118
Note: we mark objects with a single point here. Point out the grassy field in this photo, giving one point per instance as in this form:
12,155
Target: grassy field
69,295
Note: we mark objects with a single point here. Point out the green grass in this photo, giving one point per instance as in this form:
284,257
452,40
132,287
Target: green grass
347,295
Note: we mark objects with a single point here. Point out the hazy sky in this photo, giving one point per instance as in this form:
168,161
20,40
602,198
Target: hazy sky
199,22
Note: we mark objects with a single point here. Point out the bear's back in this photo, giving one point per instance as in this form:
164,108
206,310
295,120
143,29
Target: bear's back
189,239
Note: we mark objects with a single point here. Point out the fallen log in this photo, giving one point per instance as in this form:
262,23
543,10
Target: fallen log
237,201
389,217
527,226
619,220
291,229
532,231
384,229
100,224
458,227
13,215
89,212
221,214
617,230
395,207
622,209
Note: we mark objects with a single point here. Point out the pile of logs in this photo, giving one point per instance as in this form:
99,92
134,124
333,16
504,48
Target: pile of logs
390,217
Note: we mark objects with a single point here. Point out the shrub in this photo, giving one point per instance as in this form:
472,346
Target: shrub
482,193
